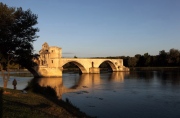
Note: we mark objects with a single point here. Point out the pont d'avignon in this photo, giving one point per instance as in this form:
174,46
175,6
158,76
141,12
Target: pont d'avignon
50,63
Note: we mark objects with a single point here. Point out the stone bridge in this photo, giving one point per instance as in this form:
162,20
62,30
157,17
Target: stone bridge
50,63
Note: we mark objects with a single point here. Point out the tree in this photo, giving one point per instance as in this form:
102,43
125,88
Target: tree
173,57
147,58
162,58
132,61
17,36
125,60
138,57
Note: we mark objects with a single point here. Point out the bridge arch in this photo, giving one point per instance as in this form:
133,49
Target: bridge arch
53,62
80,66
111,64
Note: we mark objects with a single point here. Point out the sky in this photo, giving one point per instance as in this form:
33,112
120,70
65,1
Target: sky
101,28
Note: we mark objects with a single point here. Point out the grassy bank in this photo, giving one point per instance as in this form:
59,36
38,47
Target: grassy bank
15,104
1,103
155,68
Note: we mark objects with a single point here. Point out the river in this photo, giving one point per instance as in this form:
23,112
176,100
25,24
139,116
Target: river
141,94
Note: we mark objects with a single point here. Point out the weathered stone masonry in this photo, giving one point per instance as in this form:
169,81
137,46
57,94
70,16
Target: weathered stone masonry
50,63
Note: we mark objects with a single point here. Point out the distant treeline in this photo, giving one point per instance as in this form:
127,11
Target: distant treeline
164,59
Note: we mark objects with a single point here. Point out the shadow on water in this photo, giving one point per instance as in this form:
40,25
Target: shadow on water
165,77
52,88
44,85
169,77
148,75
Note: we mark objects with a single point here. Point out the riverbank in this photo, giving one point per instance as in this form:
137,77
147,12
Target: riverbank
154,68
18,104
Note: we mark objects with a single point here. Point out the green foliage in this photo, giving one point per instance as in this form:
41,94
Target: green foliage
164,59
125,60
17,35
174,57
132,61
147,58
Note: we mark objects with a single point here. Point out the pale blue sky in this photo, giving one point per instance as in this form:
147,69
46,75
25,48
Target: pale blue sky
90,28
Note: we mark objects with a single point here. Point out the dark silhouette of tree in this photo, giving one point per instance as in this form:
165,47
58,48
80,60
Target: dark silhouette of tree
173,57
162,58
17,33
138,56
147,58
132,61
141,61
154,61
17,36
125,60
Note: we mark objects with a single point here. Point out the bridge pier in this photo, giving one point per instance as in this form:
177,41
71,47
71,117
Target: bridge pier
57,72
49,72
94,70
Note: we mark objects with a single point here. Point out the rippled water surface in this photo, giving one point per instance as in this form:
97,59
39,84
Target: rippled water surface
127,95
153,94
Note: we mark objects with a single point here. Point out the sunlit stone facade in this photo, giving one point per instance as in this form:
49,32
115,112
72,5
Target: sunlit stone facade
50,62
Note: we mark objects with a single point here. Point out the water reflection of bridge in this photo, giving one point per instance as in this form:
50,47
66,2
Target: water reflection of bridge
85,81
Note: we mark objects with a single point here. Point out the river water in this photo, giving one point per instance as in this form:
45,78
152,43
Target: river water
141,94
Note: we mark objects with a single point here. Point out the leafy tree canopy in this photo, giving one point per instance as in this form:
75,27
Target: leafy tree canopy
17,34
132,61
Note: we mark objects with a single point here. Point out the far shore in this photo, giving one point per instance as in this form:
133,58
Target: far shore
77,70
154,68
